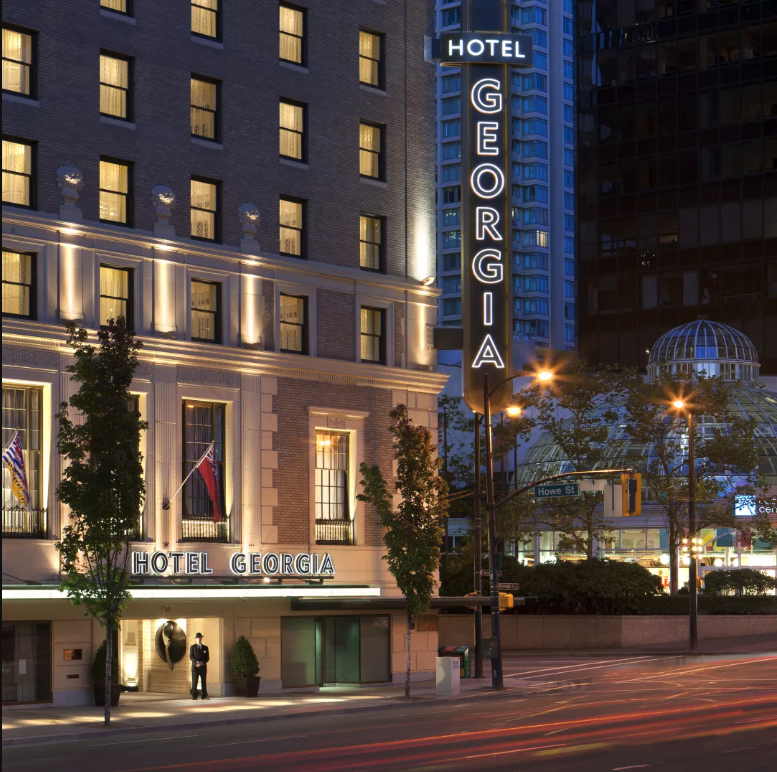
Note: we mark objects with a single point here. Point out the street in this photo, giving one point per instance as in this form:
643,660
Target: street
711,713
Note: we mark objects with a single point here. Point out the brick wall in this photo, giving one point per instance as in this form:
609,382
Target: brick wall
399,334
336,325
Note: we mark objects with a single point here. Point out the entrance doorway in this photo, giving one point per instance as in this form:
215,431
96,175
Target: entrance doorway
26,662
320,651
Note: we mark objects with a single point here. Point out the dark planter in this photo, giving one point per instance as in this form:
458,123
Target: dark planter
99,694
246,687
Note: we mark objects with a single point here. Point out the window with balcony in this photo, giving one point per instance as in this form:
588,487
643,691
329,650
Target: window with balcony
115,187
18,187
333,518
206,21
204,108
294,324
292,34
115,87
371,59
371,243
18,62
204,210
373,335
22,417
292,228
206,311
18,284
292,130
204,423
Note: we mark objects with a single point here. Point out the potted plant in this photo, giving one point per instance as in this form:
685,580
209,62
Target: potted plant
244,668
98,677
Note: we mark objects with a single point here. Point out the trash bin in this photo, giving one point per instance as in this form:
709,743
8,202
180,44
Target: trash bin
448,676
465,655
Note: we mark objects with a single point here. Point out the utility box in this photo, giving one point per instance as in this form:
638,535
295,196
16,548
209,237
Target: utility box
448,676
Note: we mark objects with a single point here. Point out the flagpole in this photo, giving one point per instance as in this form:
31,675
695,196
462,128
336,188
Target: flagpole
166,503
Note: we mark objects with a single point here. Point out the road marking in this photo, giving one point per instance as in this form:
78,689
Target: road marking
556,731
263,740
147,740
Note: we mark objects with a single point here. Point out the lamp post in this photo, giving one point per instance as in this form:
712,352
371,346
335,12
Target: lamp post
478,555
693,570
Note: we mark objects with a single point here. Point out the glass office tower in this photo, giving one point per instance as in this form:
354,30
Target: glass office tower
543,221
677,172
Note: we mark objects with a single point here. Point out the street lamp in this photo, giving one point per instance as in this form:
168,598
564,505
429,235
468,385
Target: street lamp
497,680
682,406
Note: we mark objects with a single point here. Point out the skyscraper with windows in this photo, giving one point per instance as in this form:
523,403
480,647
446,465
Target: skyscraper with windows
543,155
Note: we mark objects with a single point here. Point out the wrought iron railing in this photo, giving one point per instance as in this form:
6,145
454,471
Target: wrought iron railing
21,523
334,531
204,530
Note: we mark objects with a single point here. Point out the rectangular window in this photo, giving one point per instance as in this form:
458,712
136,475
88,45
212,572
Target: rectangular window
451,285
451,106
18,186
371,151
451,84
115,294
292,228
18,61
451,195
370,243
451,151
373,335
451,172
333,520
115,185
371,59
204,423
204,108
204,210
294,324
205,18
206,311
451,18
22,415
292,131
451,128
451,262
292,34
18,284
451,217
451,307
451,240
115,86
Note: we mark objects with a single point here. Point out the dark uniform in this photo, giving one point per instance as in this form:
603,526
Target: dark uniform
198,652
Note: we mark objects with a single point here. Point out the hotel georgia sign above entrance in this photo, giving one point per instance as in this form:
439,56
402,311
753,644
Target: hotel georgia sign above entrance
485,51
240,564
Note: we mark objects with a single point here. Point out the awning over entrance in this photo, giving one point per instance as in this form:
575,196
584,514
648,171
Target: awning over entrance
380,604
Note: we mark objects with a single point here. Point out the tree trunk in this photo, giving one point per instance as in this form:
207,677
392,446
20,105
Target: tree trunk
407,673
108,668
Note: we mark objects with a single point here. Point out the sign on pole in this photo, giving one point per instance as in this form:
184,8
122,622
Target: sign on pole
552,491
485,58
508,586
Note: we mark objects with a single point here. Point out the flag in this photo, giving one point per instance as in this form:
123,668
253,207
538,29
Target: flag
13,458
210,473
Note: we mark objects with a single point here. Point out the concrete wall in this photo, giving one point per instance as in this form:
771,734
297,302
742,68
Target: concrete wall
594,632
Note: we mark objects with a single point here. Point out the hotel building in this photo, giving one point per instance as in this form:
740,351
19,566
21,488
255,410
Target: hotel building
232,177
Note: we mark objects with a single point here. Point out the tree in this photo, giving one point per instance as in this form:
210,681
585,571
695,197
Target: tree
577,409
726,454
414,529
103,483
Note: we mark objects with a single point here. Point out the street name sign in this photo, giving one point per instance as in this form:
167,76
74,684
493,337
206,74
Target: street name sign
508,586
484,572
552,491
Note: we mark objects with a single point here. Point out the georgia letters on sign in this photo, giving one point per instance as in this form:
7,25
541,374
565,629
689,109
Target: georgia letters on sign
241,563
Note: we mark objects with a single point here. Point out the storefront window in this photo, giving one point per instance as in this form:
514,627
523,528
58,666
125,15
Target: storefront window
26,662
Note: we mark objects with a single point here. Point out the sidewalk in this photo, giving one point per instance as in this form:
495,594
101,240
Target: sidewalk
158,713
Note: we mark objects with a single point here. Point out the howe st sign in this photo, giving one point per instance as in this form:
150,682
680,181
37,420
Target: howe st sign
552,491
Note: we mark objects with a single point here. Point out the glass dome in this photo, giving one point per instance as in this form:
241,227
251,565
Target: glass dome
704,346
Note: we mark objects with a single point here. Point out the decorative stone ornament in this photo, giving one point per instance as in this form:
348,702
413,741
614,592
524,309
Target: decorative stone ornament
70,181
163,201
248,215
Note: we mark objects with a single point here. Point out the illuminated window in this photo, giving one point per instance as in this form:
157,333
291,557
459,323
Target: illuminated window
204,108
205,18
371,151
115,294
206,311
370,243
18,284
114,191
292,227
333,522
204,210
123,7
373,335
292,130
18,62
370,59
17,172
294,324
115,86
292,34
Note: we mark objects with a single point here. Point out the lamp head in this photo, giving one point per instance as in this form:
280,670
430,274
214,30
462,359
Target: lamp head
544,376
514,410
678,403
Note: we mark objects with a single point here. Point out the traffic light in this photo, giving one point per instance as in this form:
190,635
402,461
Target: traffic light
632,494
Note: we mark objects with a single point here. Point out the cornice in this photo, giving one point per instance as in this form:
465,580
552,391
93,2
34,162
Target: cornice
260,264
187,355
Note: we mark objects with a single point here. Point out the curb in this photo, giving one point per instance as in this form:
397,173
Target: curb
390,704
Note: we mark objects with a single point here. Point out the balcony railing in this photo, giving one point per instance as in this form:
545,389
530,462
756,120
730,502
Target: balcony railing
21,523
334,531
204,530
